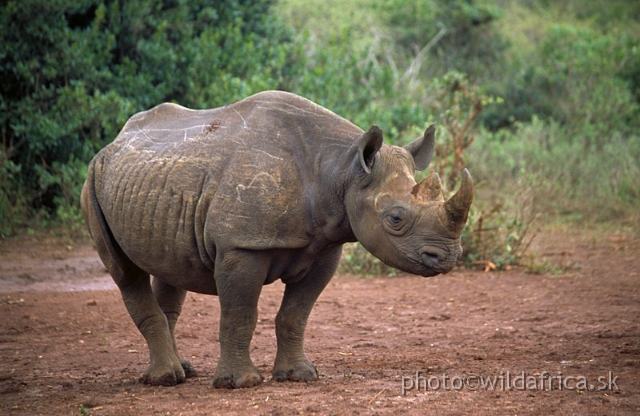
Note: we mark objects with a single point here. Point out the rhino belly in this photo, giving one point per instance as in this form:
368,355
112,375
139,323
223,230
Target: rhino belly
157,218
170,254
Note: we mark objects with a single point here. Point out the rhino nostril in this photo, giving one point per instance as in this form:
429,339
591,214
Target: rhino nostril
429,258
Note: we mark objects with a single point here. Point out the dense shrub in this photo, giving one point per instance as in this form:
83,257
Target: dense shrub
586,80
74,71
458,35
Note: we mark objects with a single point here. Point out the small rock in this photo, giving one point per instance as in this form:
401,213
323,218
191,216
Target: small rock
92,302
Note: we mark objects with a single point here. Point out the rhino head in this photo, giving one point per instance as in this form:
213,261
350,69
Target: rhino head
405,224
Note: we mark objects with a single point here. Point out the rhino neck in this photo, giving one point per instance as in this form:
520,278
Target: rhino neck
334,174
356,200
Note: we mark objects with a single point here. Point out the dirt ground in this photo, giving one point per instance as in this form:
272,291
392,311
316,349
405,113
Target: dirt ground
550,344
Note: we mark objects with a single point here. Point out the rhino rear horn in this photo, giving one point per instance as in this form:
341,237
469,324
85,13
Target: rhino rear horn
368,147
422,148
430,189
457,207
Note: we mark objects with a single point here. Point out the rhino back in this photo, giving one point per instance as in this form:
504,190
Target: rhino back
179,185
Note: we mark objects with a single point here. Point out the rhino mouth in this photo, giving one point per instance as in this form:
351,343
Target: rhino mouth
436,264
426,263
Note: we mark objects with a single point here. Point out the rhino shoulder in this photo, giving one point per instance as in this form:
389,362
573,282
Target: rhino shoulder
159,113
286,104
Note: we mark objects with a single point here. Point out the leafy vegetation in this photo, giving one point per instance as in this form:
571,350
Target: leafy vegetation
74,71
356,260
540,99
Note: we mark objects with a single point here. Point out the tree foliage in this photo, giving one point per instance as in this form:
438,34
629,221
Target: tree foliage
75,70
578,77
458,35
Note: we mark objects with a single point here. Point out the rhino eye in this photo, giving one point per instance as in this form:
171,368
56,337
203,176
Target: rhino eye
395,220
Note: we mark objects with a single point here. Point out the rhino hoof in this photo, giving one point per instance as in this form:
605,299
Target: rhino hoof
189,371
166,379
164,373
303,373
231,382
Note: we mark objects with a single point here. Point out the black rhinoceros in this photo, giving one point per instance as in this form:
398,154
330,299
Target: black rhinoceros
224,201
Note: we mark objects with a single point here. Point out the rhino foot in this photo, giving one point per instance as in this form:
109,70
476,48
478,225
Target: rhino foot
189,371
157,375
236,380
305,372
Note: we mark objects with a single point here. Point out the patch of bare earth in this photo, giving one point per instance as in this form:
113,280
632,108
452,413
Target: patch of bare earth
549,344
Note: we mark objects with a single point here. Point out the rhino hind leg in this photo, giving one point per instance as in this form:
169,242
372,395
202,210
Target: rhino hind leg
291,361
165,367
170,299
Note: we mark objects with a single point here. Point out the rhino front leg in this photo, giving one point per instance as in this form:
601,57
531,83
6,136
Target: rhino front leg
170,299
239,278
291,361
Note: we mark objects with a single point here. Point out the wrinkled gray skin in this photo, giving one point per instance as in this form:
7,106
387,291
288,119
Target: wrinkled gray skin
224,201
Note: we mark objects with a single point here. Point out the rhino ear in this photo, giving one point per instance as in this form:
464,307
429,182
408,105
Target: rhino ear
422,148
368,147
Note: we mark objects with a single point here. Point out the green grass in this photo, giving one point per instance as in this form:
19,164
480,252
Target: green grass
564,177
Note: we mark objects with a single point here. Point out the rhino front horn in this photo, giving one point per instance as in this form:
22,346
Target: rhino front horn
457,207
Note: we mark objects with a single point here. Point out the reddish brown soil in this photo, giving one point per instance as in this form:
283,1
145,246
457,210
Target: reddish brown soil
68,347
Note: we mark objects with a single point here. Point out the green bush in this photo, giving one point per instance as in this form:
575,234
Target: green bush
356,260
458,35
500,231
582,78
74,71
